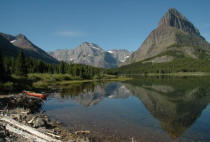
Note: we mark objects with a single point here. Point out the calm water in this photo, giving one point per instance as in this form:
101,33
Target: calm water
175,109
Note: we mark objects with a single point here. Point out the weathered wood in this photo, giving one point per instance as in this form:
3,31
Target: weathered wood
56,136
48,132
31,121
26,135
82,132
28,129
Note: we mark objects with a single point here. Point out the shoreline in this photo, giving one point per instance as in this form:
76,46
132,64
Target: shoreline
172,74
84,81
39,81
24,112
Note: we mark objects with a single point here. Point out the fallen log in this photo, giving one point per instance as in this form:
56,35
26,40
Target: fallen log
26,135
82,132
53,135
28,129
48,132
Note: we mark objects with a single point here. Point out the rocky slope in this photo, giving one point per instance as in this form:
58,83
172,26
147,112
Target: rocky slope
91,54
174,32
15,43
120,55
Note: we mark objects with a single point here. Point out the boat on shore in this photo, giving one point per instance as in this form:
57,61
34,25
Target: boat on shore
39,95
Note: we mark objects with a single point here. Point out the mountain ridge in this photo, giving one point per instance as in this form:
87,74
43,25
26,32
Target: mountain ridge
7,48
174,30
21,42
91,54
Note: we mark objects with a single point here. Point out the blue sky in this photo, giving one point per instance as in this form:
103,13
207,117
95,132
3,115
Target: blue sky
112,24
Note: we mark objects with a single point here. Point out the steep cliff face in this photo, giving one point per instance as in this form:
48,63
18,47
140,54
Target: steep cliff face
175,19
174,32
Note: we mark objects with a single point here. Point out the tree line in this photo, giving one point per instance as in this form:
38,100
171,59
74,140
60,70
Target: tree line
22,65
177,65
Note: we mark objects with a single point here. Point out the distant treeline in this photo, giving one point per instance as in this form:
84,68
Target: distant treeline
180,63
21,66
175,66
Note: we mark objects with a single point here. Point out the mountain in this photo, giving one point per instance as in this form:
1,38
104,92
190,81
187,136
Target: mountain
7,48
120,55
91,54
10,46
174,34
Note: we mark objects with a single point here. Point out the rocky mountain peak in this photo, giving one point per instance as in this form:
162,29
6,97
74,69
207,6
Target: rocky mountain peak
89,46
92,54
175,19
85,43
21,36
174,33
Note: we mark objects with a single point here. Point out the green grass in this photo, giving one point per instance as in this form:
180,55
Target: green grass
38,81
181,63
7,86
182,74
51,77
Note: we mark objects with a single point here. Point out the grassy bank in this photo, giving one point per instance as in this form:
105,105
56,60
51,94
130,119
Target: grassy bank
38,81
49,80
182,74
172,74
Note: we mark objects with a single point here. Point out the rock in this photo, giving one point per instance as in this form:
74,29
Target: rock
121,55
174,33
19,109
92,54
29,117
39,122
16,116
175,19
58,122
2,133
2,140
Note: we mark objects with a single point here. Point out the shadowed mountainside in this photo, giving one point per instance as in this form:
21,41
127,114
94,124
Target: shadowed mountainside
10,46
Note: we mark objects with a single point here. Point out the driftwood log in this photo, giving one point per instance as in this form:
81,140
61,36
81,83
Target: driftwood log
24,134
26,131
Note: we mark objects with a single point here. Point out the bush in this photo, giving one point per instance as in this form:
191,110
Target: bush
7,86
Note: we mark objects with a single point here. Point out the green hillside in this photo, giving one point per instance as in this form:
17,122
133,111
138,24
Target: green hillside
180,63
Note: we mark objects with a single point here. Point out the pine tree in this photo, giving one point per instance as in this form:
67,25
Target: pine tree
2,69
41,66
62,68
21,68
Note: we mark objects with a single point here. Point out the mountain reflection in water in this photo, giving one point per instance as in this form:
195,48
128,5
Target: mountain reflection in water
138,108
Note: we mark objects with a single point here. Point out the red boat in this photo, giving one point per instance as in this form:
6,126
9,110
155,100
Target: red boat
39,95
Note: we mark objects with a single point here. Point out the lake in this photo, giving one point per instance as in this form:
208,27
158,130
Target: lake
159,109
